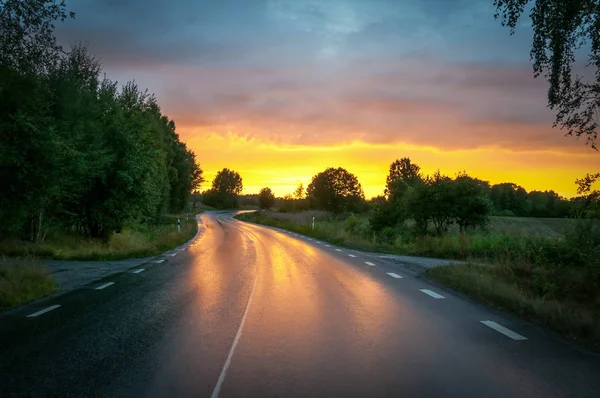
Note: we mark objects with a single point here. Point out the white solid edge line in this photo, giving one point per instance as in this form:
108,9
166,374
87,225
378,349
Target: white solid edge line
394,275
137,271
501,329
338,250
217,389
369,263
48,309
351,255
105,285
432,293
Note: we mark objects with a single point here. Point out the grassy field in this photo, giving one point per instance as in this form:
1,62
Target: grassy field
135,241
547,270
22,281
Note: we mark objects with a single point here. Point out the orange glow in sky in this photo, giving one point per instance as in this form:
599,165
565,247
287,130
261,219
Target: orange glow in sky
283,166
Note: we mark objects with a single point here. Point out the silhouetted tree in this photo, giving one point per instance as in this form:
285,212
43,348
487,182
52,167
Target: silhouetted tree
471,204
266,199
589,203
509,196
228,181
336,190
299,192
404,170
560,27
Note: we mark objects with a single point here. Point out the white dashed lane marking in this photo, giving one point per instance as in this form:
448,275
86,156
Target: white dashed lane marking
105,285
393,275
432,294
171,254
369,263
337,250
158,261
48,309
501,329
327,245
137,271
351,255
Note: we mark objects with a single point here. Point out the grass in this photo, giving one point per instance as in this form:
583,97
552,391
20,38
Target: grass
501,287
23,280
523,240
135,241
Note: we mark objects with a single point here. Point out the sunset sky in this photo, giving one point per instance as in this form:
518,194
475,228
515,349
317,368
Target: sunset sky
278,90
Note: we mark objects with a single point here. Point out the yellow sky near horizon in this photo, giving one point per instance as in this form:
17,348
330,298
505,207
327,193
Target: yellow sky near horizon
283,166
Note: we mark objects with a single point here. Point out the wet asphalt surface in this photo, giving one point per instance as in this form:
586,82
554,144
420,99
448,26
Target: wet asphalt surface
249,311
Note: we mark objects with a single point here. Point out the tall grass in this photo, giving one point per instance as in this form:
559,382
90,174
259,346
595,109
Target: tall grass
23,280
134,241
354,232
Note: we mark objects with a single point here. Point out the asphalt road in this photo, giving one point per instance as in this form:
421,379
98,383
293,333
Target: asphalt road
249,311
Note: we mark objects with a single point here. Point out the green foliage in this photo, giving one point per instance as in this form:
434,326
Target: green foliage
266,199
76,151
228,181
336,190
402,170
471,204
509,196
588,205
135,240
27,43
560,27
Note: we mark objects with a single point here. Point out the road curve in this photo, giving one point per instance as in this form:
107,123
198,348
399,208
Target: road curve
250,311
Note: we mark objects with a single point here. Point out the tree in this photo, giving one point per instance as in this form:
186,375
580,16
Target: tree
435,200
27,42
391,211
266,199
590,205
228,181
511,197
471,204
299,192
560,27
402,169
336,190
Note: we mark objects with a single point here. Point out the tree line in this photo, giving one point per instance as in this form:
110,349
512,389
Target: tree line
433,202
77,150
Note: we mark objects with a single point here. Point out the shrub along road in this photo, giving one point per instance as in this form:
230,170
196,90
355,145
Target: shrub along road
253,311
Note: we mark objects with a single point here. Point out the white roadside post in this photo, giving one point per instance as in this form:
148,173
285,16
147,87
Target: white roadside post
313,223
187,216
178,225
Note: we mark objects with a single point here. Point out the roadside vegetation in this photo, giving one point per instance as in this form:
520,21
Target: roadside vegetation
90,169
544,267
23,280
136,240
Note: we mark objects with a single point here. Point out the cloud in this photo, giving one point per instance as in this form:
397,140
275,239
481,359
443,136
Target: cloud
314,73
